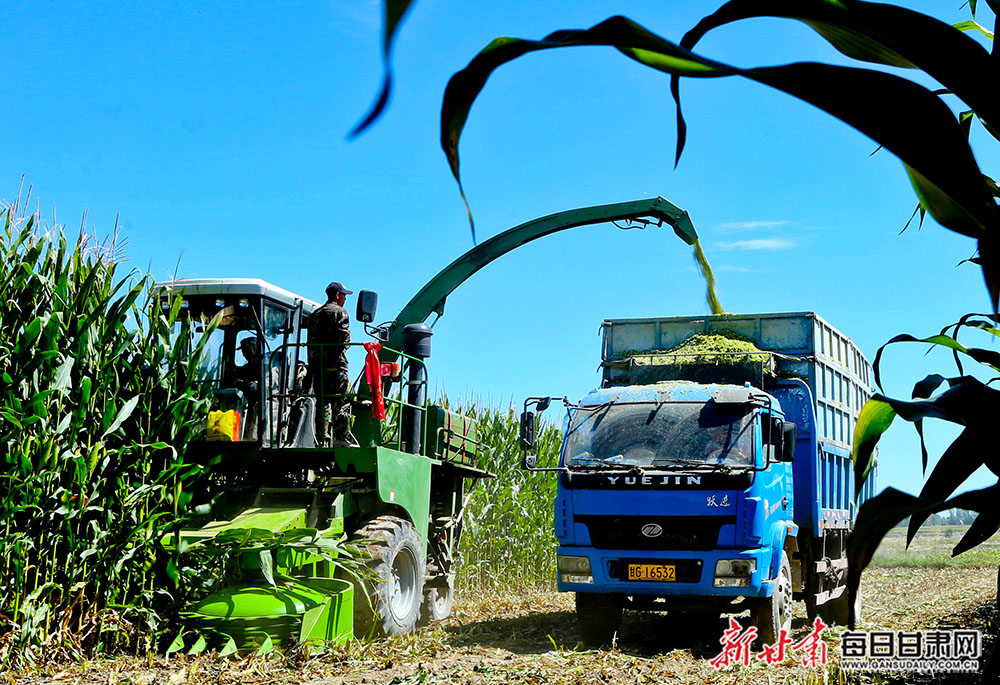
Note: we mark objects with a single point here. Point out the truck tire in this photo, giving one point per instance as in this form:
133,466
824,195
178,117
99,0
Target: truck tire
599,618
437,603
395,580
835,612
772,614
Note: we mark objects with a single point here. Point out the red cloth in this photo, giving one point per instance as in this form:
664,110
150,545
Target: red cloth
373,374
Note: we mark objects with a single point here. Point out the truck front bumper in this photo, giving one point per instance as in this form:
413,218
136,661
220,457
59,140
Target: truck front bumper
694,572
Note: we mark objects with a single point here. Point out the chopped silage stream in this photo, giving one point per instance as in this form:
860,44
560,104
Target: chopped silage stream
506,638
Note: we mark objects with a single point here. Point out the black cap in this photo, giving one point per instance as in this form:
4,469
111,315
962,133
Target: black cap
337,287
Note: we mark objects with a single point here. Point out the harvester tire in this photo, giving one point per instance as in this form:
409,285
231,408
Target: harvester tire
395,582
599,618
773,613
437,603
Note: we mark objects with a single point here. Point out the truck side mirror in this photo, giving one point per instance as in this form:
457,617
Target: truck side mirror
789,433
528,439
367,304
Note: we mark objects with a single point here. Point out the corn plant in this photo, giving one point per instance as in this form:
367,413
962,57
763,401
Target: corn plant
508,540
96,406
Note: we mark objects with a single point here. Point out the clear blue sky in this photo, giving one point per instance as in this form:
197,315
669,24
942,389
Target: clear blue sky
217,132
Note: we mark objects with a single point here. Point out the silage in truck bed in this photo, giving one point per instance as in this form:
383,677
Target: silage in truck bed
718,347
721,356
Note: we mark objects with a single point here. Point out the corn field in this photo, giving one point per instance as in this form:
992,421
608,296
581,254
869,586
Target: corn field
96,406
98,402
508,541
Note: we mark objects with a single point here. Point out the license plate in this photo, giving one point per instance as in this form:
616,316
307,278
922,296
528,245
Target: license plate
655,572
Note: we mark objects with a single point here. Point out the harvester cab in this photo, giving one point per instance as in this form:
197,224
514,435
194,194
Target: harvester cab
251,333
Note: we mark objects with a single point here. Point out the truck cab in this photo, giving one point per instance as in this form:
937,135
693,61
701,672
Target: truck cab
708,486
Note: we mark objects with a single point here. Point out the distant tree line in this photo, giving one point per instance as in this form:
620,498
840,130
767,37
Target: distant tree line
949,517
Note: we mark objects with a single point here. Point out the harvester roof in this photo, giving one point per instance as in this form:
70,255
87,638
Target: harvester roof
237,286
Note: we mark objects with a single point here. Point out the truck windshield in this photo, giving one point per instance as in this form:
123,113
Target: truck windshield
658,435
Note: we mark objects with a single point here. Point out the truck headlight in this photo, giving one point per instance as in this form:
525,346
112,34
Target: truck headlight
575,570
734,572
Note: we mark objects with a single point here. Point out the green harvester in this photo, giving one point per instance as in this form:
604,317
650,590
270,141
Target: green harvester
289,503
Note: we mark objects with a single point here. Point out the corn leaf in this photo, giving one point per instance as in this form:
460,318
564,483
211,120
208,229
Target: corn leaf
393,13
959,461
876,517
122,416
881,34
948,174
922,390
875,418
63,375
266,647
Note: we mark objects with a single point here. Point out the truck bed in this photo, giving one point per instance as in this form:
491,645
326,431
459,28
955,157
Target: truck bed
804,346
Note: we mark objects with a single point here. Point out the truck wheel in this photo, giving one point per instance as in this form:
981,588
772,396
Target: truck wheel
772,614
599,618
395,586
437,603
836,610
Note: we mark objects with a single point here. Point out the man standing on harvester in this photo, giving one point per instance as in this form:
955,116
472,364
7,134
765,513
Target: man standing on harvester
329,336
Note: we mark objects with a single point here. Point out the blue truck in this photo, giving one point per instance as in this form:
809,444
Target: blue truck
713,484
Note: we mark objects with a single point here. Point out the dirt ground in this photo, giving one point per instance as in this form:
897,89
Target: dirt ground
533,639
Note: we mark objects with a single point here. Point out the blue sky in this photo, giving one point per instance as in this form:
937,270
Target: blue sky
216,132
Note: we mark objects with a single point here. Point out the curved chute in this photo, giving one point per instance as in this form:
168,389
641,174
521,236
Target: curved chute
431,297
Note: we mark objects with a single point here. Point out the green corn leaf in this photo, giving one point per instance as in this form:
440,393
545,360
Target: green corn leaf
946,209
875,418
64,424
974,26
876,517
64,376
393,13
122,415
881,34
923,390
986,524
942,340
30,334
943,163
962,458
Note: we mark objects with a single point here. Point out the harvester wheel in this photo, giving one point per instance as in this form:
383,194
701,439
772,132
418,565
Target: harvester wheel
773,613
395,561
437,603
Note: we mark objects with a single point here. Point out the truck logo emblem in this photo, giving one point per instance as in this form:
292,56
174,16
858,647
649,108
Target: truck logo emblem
724,502
652,530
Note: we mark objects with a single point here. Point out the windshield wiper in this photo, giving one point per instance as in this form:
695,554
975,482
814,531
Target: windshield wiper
725,468
603,462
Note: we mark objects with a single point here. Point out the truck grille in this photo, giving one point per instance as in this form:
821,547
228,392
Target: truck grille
677,532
